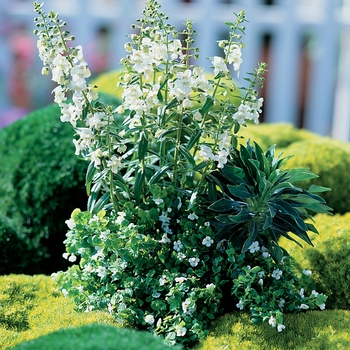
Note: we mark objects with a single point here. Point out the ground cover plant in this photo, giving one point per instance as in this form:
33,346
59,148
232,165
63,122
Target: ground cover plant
166,179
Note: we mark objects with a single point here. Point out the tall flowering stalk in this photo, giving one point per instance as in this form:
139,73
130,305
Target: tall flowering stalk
147,248
177,127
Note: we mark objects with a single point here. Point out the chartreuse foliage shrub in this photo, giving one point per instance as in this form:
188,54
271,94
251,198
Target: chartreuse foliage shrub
329,259
279,134
41,182
330,160
32,306
97,337
325,330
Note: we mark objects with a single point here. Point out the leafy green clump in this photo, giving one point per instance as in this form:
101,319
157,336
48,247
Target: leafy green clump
41,182
32,306
330,160
329,259
326,330
96,337
258,201
280,134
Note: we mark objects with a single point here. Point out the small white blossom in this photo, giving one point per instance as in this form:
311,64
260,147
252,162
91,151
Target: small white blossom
193,216
272,321
322,306
207,241
181,256
120,218
314,293
178,245
302,293
70,223
72,258
261,282
219,65
307,272
280,327
276,274
281,303
240,305
65,292
304,306
193,261
254,247
165,239
181,331
180,279
149,319
158,201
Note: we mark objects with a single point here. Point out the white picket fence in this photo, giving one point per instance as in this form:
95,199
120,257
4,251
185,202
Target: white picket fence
323,24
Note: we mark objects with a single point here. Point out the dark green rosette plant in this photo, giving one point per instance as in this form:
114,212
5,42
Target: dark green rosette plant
145,248
261,201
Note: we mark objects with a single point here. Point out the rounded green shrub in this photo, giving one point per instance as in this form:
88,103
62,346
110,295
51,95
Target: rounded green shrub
41,182
32,306
96,337
280,134
325,330
329,259
330,160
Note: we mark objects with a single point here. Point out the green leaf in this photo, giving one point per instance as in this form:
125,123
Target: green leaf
240,191
301,175
224,205
317,189
93,196
143,146
139,182
89,177
99,205
241,217
209,102
172,104
184,151
158,174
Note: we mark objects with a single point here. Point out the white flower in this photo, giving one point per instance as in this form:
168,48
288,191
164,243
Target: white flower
101,271
65,292
302,292
180,279
72,258
165,239
162,281
65,255
304,306
193,261
254,247
149,319
70,223
281,303
178,245
221,158
219,65
114,164
240,305
261,282
234,56
322,306
314,293
280,327
207,241
158,201
95,157
181,256
272,321
193,216
120,218
276,274
211,285
181,331
307,272
207,224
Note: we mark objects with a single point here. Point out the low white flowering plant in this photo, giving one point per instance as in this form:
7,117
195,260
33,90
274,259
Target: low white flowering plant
182,224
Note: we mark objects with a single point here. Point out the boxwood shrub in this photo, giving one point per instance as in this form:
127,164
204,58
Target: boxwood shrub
330,160
33,306
41,182
329,259
97,337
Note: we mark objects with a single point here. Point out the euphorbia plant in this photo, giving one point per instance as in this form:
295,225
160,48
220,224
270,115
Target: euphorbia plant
148,248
